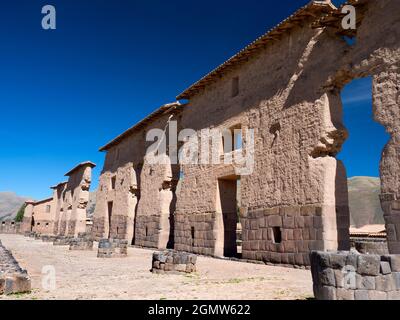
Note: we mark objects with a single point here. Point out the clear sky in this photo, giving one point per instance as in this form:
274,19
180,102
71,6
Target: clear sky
65,93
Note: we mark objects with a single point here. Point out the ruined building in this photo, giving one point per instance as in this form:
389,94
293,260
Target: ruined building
135,200
65,212
282,93
286,87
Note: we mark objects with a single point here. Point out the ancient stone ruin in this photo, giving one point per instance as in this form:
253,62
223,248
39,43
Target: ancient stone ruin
284,87
112,248
10,227
354,276
289,197
13,279
170,261
65,213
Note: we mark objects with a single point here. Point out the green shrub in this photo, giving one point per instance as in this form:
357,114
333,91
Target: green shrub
20,214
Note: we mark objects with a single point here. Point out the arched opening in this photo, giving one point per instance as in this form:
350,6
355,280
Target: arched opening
361,155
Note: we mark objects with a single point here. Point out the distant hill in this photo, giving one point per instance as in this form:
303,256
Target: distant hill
10,203
365,207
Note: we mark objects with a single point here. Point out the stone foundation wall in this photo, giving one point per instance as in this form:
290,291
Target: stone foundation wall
147,231
370,246
173,262
10,227
300,230
353,276
98,229
200,226
13,279
112,248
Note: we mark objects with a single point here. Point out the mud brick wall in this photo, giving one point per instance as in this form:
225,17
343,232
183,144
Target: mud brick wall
13,279
173,262
353,276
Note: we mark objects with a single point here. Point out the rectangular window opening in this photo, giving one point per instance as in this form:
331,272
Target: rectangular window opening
235,87
277,235
113,182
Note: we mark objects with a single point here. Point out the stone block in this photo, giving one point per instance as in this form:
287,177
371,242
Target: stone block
385,268
377,295
365,282
393,295
337,261
396,280
275,221
395,263
361,295
344,294
288,222
352,261
339,278
325,293
385,283
368,265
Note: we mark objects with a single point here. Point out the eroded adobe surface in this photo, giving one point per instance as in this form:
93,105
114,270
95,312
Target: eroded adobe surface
287,87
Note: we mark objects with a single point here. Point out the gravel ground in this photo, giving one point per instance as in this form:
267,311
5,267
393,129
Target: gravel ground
81,275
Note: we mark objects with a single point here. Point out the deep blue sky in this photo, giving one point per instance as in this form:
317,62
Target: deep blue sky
65,93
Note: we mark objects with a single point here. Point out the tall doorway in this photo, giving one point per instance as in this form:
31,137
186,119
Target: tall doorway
227,207
110,211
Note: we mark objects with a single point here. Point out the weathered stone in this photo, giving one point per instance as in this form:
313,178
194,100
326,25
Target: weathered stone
337,261
368,265
395,263
361,295
175,262
365,282
385,267
377,295
327,277
393,295
344,294
385,283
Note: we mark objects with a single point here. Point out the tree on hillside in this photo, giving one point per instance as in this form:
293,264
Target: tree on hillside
20,214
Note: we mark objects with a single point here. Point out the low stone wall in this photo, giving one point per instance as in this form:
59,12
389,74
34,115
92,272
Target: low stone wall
47,238
10,227
13,279
173,262
62,241
81,244
112,248
354,276
370,246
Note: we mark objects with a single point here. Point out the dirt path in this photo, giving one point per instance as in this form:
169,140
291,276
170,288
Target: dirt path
81,275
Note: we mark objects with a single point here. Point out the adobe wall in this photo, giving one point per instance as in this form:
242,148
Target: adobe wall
143,195
72,215
58,196
123,163
290,96
158,181
42,214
